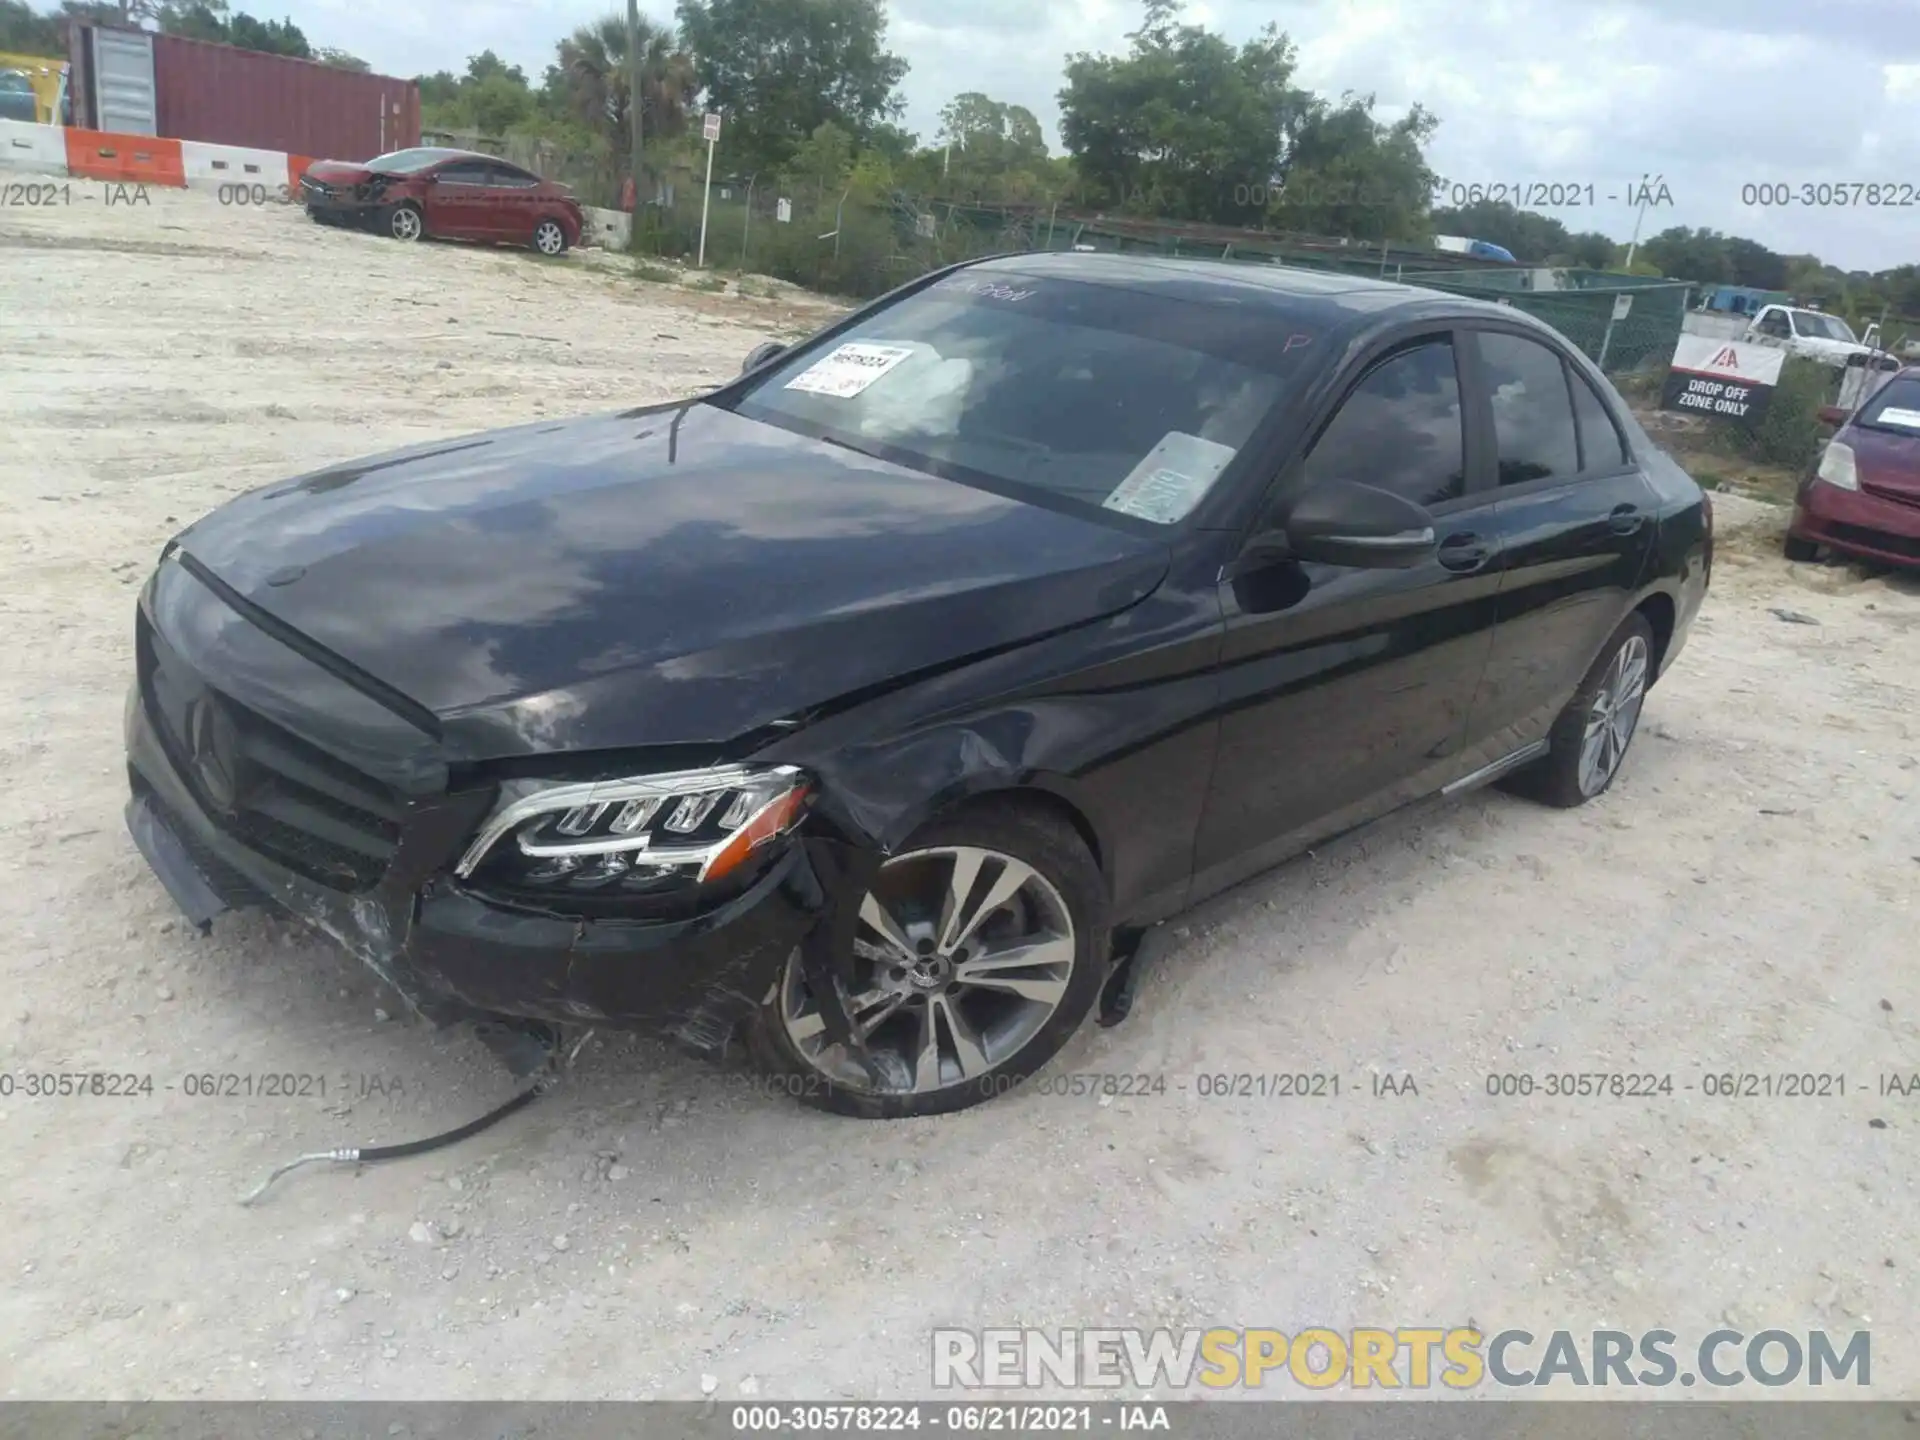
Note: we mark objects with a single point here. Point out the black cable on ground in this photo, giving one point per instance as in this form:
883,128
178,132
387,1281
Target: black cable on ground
375,1153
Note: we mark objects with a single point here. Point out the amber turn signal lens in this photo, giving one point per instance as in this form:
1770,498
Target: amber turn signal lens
772,820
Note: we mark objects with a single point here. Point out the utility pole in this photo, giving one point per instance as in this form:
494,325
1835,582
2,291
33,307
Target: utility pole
633,104
1638,221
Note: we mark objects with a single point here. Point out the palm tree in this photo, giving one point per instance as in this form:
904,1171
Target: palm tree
594,70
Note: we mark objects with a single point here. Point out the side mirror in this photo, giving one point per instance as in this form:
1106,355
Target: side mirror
760,354
1833,416
1343,523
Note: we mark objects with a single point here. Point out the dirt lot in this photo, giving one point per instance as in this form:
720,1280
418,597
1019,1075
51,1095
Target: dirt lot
1742,901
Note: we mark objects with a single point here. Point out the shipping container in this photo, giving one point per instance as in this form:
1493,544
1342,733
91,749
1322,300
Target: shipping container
134,81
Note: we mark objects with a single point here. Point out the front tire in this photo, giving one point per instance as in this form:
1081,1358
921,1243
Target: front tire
1800,551
1588,743
981,949
404,222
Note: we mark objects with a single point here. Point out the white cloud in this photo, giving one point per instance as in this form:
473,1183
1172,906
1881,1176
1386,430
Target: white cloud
1707,99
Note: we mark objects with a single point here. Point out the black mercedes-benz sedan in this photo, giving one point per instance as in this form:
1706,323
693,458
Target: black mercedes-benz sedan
866,708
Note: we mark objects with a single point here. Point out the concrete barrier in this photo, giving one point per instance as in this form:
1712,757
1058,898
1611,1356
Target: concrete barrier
40,149
128,159
208,167
609,229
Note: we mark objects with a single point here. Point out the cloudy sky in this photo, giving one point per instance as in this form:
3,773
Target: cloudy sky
1707,97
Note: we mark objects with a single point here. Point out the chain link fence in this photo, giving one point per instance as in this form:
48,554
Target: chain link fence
824,236
1581,305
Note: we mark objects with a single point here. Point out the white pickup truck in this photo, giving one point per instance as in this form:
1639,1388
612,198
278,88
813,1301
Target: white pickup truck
1813,334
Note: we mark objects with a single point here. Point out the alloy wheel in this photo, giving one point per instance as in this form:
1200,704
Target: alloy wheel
549,238
405,224
1613,715
962,956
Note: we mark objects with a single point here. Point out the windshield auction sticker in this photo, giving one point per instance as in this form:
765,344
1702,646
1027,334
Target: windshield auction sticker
1171,478
850,369
1905,419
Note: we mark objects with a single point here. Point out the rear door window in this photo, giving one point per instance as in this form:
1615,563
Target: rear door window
1601,447
1533,422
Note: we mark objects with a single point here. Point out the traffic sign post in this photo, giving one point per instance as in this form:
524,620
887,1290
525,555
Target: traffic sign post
710,132
1622,305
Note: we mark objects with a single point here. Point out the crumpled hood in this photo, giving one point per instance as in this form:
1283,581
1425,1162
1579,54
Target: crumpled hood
671,576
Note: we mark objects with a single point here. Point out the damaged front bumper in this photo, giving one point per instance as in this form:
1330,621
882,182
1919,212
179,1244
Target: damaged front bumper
455,955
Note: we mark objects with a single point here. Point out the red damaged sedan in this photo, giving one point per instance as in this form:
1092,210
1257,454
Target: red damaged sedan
450,194
1864,497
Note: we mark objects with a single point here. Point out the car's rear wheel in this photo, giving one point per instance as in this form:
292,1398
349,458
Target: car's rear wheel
404,222
980,950
1799,550
1588,743
550,238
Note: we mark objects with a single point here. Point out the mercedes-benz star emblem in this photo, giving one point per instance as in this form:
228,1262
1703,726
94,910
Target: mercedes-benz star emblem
211,738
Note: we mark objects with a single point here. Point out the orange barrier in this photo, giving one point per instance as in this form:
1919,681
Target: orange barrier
132,159
296,168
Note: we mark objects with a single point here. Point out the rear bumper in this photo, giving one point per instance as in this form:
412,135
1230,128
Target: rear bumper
453,954
1857,522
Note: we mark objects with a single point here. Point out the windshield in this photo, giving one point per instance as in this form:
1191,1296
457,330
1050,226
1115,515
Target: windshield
1087,395
15,82
1894,406
405,162
1817,326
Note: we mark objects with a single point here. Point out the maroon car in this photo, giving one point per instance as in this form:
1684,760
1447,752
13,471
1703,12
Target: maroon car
1863,498
453,194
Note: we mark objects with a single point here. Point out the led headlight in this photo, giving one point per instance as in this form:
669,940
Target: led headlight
646,834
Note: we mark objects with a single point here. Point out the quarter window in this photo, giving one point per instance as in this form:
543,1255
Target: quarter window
1533,424
1399,430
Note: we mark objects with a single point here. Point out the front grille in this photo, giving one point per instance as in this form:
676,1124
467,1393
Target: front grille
1898,497
267,788
1866,539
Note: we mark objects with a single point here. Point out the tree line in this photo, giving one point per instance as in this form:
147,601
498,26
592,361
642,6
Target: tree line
26,31
1180,125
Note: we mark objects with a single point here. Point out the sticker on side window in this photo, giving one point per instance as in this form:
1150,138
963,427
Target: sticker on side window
1907,419
850,369
1170,478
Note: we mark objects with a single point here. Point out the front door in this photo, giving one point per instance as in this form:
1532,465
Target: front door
1347,691
459,199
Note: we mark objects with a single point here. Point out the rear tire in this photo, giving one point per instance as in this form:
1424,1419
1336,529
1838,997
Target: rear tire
550,238
1589,742
1800,551
985,1036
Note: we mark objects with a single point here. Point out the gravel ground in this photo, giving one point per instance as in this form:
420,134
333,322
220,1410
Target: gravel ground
1737,903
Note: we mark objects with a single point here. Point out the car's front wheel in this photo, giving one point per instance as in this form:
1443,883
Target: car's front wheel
404,222
1798,550
981,948
550,238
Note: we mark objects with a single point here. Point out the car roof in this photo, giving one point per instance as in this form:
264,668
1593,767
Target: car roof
1328,297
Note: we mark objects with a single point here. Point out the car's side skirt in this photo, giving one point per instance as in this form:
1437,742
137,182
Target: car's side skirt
1486,774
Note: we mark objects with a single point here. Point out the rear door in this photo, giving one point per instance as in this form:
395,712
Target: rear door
1346,692
510,207
1575,523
